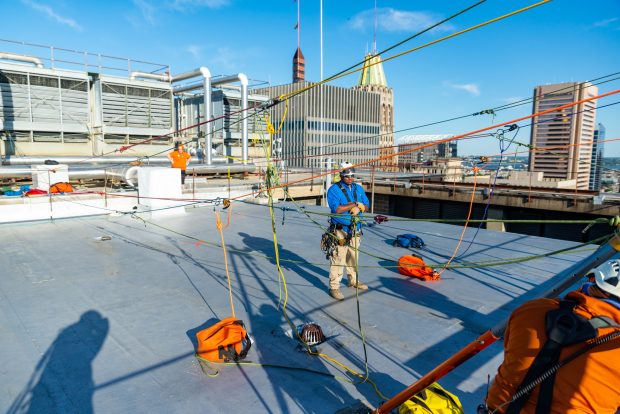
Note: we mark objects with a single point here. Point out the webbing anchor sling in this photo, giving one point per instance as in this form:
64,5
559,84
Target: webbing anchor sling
564,327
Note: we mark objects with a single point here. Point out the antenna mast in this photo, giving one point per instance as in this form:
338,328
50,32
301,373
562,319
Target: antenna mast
374,38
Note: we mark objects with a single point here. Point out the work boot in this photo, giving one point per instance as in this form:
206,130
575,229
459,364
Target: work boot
360,286
336,294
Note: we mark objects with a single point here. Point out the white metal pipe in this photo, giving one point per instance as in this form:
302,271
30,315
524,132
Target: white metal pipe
37,160
34,160
21,58
147,75
243,80
128,174
201,71
206,83
187,88
244,114
209,125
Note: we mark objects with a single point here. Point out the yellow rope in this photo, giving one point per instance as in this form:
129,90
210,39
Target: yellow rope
282,278
314,85
218,224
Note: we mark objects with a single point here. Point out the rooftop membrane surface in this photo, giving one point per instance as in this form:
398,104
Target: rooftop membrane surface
108,326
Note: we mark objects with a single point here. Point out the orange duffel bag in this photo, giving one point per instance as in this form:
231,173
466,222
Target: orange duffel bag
226,341
415,267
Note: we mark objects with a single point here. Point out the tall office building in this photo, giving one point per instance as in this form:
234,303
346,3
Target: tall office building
568,133
343,121
372,79
598,150
344,124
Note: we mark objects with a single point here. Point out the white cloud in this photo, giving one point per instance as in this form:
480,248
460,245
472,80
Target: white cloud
147,10
605,23
47,10
392,20
471,88
225,58
187,4
195,51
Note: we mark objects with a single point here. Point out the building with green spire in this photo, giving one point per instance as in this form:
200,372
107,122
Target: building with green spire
372,79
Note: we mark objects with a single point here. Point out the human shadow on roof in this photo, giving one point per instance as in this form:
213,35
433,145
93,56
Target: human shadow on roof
63,378
294,262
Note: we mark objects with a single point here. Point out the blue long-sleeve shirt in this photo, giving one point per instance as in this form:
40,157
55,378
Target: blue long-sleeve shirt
336,197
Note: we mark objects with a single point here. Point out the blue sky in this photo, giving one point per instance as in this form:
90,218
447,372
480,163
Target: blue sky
565,40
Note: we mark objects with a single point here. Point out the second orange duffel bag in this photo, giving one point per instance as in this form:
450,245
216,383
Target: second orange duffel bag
226,341
415,267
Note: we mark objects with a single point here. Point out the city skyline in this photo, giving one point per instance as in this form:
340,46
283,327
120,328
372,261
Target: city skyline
483,69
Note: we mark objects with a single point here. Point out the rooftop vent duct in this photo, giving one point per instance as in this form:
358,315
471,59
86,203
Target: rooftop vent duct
148,75
21,58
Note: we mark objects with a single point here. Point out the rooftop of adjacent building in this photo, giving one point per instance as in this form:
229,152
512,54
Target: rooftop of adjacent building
112,323
418,139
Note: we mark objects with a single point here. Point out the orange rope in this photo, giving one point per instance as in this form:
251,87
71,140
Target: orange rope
471,207
218,224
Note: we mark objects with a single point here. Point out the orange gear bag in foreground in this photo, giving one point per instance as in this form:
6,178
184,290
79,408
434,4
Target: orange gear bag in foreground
226,341
415,267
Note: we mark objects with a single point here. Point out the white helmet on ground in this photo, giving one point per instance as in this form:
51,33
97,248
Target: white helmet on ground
606,277
346,169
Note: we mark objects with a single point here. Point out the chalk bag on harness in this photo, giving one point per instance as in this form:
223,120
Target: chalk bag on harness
226,341
311,333
433,400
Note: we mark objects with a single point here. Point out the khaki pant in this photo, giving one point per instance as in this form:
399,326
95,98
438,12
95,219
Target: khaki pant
344,256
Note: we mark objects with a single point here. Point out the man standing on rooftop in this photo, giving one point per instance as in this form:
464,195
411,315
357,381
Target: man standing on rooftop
179,159
348,200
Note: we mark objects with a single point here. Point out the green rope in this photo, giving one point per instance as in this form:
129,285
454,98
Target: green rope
466,265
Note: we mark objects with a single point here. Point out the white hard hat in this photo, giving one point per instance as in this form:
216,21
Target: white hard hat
606,277
346,169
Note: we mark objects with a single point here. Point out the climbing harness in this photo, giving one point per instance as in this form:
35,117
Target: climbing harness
330,240
564,328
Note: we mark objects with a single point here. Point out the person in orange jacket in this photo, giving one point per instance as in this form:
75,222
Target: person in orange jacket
545,332
179,159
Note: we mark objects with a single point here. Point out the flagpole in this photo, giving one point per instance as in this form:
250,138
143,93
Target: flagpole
323,189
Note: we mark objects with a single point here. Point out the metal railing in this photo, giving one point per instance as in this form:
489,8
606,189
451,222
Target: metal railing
61,58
